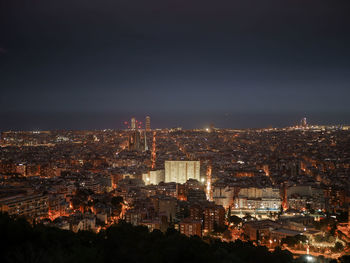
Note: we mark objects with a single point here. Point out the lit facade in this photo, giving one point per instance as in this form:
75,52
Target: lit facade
181,171
148,123
28,205
133,123
153,177
190,227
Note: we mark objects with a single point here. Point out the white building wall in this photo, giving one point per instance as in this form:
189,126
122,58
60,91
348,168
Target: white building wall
181,171
153,177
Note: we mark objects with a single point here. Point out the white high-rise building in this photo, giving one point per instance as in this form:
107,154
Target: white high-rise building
181,171
133,123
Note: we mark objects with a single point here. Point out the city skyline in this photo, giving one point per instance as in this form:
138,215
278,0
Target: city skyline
108,120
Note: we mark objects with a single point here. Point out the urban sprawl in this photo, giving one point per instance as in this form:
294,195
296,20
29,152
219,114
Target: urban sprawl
286,187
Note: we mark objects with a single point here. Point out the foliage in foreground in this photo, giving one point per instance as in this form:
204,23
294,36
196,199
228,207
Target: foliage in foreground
121,243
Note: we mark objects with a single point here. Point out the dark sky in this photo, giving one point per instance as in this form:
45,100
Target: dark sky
92,63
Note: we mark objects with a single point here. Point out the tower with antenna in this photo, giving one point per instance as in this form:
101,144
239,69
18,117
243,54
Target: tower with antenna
133,123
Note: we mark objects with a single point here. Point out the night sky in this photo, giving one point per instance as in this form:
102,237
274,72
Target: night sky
82,64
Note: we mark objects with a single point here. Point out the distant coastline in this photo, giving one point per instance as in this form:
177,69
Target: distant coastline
29,121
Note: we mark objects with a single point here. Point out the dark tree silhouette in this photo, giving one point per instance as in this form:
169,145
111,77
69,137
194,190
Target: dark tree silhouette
122,243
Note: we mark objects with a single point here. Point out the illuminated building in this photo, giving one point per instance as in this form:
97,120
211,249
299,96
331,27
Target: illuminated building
181,171
148,123
57,206
190,227
83,222
213,215
134,216
145,139
133,123
153,177
156,223
151,224
257,230
257,200
25,205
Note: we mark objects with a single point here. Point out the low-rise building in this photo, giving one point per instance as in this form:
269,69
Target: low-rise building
25,205
190,227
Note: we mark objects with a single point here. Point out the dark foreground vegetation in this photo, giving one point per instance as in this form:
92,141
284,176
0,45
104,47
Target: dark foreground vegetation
23,242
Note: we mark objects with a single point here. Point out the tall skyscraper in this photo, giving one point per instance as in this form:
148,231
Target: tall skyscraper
148,123
145,138
181,171
133,123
